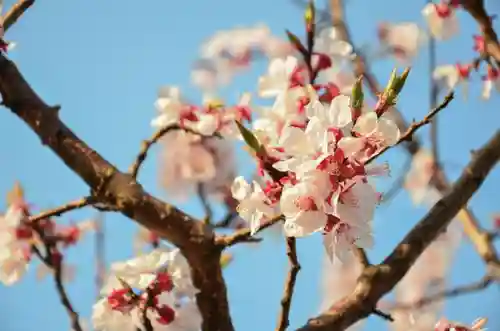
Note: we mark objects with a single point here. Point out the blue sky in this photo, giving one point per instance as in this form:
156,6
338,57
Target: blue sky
103,61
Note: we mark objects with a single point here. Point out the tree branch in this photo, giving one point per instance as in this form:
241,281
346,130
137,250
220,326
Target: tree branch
77,204
112,187
147,144
450,293
16,12
286,301
376,281
407,136
476,9
244,235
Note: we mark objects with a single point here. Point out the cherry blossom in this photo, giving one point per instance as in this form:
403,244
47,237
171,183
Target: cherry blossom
278,78
329,42
441,19
187,160
14,251
254,206
418,178
448,77
158,283
491,81
445,325
401,40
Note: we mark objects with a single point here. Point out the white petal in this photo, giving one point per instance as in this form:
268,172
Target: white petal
240,188
389,131
340,111
351,145
366,123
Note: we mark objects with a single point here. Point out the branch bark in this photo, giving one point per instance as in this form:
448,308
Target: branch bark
376,281
110,186
16,12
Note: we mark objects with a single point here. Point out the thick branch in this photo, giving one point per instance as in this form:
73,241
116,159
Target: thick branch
110,186
376,281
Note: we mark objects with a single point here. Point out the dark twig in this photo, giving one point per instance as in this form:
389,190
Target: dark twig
446,294
55,264
15,12
382,315
407,136
147,144
433,99
200,188
227,220
286,301
77,204
244,235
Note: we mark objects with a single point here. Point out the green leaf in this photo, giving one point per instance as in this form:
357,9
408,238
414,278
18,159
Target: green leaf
295,41
250,139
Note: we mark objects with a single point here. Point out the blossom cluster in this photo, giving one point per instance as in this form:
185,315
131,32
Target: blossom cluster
318,140
153,289
22,240
443,24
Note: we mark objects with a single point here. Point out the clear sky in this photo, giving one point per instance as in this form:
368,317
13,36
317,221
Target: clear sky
103,61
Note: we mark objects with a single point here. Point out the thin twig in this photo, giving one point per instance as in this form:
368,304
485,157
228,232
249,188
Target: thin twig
147,144
226,221
15,12
77,204
415,126
433,99
56,265
286,301
382,315
244,235
446,294
204,202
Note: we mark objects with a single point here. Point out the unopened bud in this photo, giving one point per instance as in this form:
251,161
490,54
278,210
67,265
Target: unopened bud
392,81
310,14
401,81
357,96
295,41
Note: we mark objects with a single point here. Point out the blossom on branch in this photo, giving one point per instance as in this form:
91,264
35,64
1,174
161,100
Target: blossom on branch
154,289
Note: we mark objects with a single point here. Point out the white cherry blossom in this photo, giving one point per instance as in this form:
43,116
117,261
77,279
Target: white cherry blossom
254,205
277,79
448,77
441,19
401,40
